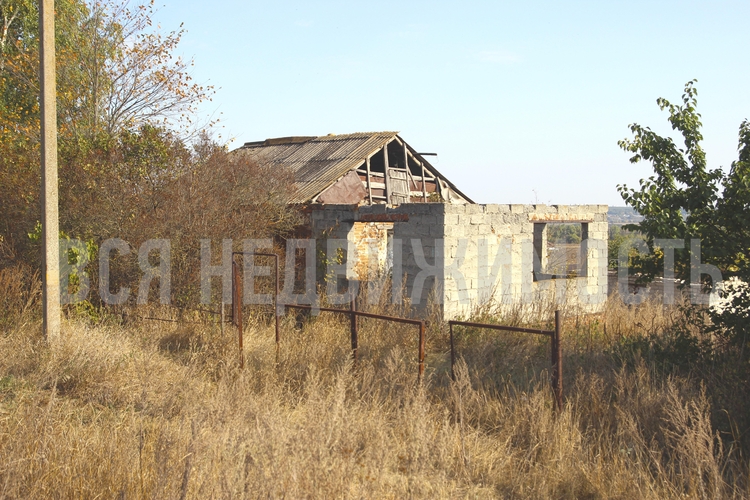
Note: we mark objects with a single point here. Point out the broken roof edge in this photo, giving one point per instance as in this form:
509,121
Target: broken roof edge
436,172
386,137
413,151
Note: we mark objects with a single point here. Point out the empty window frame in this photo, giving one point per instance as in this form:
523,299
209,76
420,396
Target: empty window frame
560,250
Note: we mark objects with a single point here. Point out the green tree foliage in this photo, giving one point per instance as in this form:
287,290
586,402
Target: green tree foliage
619,237
685,200
114,71
564,233
117,83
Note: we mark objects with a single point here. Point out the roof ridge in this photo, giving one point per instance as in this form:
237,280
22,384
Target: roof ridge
300,139
351,134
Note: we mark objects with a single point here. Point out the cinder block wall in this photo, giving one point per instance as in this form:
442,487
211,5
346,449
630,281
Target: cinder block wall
490,255
418,233
458,257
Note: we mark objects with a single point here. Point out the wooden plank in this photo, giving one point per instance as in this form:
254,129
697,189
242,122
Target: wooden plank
387,184
422,167
418,187
399,186
408,173
406,166
406,159
441,189
369,188
547,220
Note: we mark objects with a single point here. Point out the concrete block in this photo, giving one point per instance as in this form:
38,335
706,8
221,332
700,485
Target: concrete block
453,231
437,231
450,208
450,219
477,219
484,229
471,230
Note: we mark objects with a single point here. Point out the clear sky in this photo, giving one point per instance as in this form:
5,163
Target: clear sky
524,102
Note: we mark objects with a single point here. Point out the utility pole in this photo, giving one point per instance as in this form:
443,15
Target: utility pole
50,223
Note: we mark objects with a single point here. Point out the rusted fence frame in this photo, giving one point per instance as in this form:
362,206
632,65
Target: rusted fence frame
555,350
237,300
189,309
353,314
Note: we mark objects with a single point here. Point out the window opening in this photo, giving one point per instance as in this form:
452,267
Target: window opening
559,250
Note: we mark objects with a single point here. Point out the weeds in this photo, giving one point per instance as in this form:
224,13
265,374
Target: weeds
161,410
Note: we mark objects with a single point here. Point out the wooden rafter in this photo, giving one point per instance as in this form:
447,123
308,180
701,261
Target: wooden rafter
369,188
387,182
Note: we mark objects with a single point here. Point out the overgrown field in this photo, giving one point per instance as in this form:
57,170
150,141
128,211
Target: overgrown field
161,410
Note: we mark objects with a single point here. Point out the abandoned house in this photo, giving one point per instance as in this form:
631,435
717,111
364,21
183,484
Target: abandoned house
374,199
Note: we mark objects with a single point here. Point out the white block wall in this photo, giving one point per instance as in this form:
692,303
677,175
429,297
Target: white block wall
462,256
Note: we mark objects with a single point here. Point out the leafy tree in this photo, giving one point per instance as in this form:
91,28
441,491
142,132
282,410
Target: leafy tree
686,200
117,84
114,71
126,113
619,237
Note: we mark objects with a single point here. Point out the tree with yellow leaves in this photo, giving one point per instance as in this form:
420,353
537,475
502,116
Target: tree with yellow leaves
115,75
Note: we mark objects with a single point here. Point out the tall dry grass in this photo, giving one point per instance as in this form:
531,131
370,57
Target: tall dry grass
161,410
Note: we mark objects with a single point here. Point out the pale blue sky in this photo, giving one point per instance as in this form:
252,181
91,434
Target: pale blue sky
523,101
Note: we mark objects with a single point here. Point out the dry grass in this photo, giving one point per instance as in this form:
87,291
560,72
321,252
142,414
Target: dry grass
161,410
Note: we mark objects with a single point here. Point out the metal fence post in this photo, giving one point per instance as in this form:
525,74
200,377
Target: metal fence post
354,328
276,304
556,379
453,352
237,307
557,375
421,350
221,328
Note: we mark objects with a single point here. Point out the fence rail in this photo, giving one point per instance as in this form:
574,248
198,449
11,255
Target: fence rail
354,314
556,374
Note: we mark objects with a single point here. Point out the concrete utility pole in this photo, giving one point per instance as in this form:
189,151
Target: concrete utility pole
50,223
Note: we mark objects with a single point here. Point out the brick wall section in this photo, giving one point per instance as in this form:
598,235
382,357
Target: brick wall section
370,240
462,256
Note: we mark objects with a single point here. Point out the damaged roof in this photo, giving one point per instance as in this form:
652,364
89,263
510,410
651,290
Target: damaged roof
318,162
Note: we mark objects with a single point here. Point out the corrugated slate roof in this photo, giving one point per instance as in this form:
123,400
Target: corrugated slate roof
317,162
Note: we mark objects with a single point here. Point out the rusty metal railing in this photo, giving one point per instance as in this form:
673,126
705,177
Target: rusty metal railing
353,314
556,374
